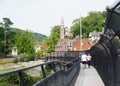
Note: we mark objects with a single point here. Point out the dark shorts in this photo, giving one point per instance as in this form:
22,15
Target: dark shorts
88,62
84,62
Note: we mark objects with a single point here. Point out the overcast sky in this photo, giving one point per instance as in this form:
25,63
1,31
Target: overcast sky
41,15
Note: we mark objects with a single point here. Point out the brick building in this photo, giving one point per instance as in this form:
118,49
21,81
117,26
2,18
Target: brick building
73,44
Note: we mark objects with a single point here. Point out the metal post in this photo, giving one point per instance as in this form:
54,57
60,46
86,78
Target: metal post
21,79
80,34
63,67
43,72
60,66
53,66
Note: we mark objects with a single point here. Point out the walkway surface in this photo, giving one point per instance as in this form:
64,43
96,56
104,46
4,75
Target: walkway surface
89,77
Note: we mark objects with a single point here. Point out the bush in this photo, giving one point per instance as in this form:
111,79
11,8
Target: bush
13,80
15,60
25,58
48,69
3,84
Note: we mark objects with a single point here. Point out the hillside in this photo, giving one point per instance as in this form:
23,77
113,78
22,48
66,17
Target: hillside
38,37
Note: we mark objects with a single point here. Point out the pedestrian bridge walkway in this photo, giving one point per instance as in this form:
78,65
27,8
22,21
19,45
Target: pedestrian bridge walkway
88,77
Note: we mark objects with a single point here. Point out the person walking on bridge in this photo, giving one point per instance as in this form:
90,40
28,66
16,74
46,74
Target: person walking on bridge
88,60
84,60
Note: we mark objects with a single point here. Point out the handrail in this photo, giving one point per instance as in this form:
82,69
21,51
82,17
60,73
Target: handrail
71,61
104,54
20,70
61,77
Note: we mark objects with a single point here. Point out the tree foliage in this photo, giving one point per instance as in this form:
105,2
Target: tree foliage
6,23
38,37
52,40
1,41
5,35
94,21
24,42
11,37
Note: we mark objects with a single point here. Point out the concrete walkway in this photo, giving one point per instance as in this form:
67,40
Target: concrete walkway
89,77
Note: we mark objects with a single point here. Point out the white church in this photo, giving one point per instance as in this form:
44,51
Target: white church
64,31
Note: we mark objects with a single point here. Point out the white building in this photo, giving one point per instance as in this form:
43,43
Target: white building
37,48
14,51
94,36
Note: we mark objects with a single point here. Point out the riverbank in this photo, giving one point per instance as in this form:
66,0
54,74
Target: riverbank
11,66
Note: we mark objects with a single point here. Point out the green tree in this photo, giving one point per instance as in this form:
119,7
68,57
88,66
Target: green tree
94,21
5,24
11,38
75,28
1,41
52,40
39,53
24,42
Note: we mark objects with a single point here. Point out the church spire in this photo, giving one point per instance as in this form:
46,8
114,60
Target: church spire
62,29
62,21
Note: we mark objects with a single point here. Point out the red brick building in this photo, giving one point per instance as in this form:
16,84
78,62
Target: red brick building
84,45
73,44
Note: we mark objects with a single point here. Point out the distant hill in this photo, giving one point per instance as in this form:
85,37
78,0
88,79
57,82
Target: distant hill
38,37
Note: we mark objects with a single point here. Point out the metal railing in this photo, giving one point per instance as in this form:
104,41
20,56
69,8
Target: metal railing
56,66
66,77
20,72
64,55
105,55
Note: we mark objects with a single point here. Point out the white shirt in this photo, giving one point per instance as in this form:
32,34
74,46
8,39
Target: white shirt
88,57
84,57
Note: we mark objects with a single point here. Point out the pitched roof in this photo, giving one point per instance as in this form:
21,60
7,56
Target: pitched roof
94,34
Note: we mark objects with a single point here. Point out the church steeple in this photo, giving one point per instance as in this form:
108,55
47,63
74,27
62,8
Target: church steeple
62,21
62,29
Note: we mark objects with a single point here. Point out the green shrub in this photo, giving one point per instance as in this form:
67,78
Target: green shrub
48,69
13,80
10,79
3,84
15,60
31,57
25,58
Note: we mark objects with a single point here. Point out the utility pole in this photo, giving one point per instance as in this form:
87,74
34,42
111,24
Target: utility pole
80,34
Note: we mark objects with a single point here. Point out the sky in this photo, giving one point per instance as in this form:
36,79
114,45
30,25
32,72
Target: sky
41,15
